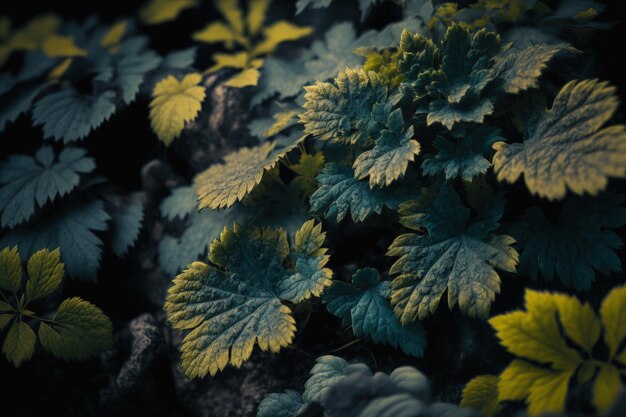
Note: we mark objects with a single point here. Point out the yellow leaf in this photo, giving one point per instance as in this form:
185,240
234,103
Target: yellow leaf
219,32
307,168
114,35
545,390
232,13
175,103
481,393
535,334
606,388
246,78
61,46
256,15
282,121
58,71
235,60
10,270
33,34
160,11
277,33
579,321
19,344
613,315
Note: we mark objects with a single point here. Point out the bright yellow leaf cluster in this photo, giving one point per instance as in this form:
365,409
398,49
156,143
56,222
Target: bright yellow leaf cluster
247,33
155,12
555,341
175,103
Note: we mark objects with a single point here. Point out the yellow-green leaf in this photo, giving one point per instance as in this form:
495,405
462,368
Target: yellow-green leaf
256,15
307,168
232,13
219,32
10,270
246,78
19,344
61,46
613,315
58,71
481,393
281,121
277,33
606,387
33,34
114,35
234,60
78,331
579,321
160,11
45,272
175,103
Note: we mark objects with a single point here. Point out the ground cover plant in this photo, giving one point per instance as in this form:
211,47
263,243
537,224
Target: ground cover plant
371,208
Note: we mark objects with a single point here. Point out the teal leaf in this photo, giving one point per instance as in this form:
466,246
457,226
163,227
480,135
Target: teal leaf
181,203
69,116
464,155
387,161
126,221
313,4
329,370
70,228
132,62
284,404
40,180
340,193
18,100
576,244
456,254
365,307
353,109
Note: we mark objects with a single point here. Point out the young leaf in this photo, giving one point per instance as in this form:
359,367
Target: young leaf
231,309
576,244
481,393
387,161
45,272
40,179
19,344
464,156
221,185
457,255
340,193
77,331
70,228
69,115
175,103
365,307
155,12
351,110
10,270
307,169
565,147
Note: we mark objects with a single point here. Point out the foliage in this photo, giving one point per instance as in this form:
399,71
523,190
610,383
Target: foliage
235,303
350,390
77,331
555,341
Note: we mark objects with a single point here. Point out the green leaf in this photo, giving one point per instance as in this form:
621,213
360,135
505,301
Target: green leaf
481,393
45,273
70,228
175,103
19,344
520,70
286,404
40,179
613,312
329,370
340,193
10,270
457,255
230,310
464,156
69,115
565,147
221,185
78,331
352,109
574,245
126,222
387,161
365,307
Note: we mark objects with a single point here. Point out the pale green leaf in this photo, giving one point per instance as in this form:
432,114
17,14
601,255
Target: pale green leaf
45,273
